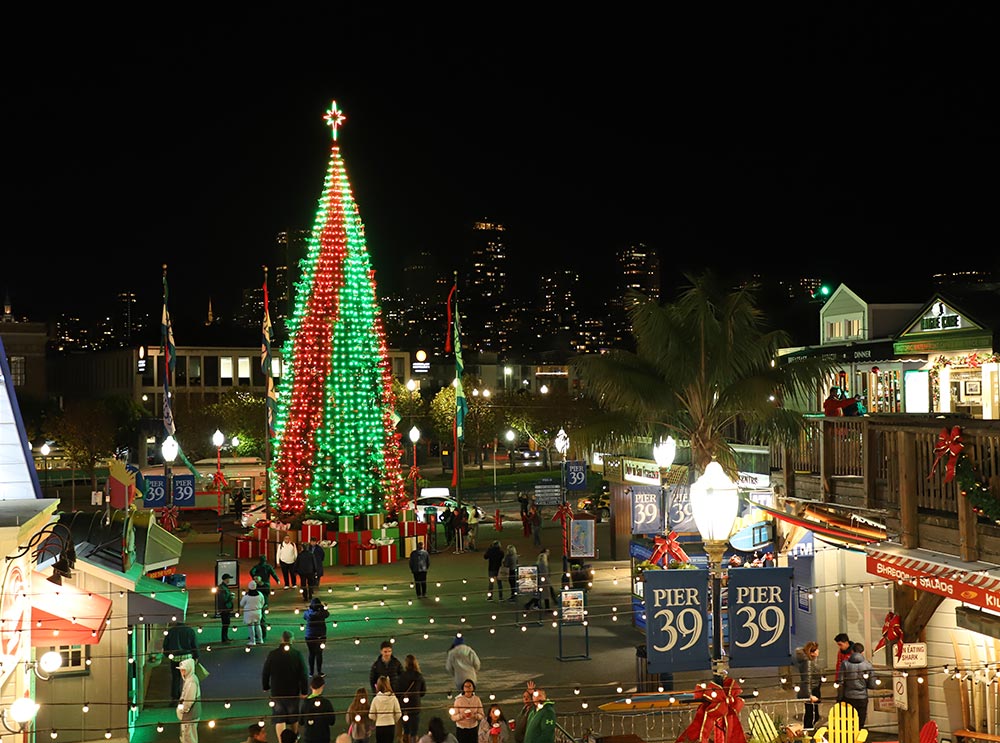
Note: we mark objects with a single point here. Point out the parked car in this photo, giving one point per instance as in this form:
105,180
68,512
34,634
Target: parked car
598,504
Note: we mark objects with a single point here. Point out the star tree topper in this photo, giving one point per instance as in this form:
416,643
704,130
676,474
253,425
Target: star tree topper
334,118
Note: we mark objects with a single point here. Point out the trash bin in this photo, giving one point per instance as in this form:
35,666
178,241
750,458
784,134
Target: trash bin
649,682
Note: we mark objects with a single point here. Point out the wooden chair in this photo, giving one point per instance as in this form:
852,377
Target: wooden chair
929,732
762,727
841,726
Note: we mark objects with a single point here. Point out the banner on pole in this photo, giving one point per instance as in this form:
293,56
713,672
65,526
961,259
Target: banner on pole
760,606
677,635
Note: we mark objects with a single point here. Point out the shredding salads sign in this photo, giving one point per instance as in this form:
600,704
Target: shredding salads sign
984,596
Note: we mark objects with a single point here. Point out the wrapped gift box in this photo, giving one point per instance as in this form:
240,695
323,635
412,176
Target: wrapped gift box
332,556
407,528
422,531
247,548
366,556
407,515
347,553
387,532
345,523
356,537
313,531
408,545
386,554
374,520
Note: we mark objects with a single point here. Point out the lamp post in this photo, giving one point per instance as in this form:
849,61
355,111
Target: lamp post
414,471
218,439
510,448
169,450
562,446
46,450
715,503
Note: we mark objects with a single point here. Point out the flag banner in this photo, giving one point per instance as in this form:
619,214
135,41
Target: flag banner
760,605
265,366
183,487
647,509
461,404
155,494
677,633
169,363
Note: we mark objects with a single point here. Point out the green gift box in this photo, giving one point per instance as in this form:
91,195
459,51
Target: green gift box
345,523
331,556
406,515
387,532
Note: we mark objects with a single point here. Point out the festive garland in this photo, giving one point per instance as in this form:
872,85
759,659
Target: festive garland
973,360
959,467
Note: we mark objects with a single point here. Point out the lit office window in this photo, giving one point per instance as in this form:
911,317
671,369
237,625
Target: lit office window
226,371
243,367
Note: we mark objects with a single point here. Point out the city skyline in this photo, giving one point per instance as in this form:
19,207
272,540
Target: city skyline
842,146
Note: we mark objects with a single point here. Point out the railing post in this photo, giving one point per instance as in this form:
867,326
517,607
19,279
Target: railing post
909,525
871,449
827,442
788,469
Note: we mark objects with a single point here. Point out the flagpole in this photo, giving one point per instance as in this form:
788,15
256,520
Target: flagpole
268,382
460,404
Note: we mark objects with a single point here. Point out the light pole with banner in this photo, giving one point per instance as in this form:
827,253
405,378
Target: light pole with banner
414,470
46,450
562,446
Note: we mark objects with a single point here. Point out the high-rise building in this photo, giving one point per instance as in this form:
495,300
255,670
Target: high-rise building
484,297
640,270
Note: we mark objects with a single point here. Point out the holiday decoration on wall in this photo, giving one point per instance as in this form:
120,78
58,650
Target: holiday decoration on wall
336,449
959,467
892,633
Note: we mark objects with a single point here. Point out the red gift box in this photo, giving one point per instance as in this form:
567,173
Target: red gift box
312,531
386,554
347,553
356,537
247,548
364,553
422,530
408,528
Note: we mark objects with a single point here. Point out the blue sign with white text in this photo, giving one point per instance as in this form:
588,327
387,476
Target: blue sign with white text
647,510
155,494
681,516
677,635
760,607
576,474
183,490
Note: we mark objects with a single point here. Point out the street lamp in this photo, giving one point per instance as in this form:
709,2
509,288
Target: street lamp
562,446
218,439
169,451
715,503
664,453
510,448
414,471
46,450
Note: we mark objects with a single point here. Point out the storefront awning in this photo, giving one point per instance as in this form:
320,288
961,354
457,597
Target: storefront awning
66,615
859,352
155,602
976,583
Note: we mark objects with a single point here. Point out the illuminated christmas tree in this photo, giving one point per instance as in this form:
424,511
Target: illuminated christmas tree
336,449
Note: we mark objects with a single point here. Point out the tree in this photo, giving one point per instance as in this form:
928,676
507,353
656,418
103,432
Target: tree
702,366
481,420
86,432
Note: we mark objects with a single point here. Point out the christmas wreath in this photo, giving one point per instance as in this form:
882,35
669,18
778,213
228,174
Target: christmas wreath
959,467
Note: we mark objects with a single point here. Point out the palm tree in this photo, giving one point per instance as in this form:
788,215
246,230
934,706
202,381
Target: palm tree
702,366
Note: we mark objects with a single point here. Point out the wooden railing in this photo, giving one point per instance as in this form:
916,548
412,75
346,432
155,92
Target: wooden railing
884,463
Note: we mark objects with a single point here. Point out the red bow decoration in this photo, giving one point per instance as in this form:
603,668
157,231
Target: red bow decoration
369,545
892,632
168,517
948,443
563,512
219,480
668,545
718,718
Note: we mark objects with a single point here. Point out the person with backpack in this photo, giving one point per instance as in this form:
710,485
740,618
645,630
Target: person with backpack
262,572
857,677
359,724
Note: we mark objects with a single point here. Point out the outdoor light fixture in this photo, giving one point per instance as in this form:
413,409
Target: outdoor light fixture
49,663
664,453
49,542
21,712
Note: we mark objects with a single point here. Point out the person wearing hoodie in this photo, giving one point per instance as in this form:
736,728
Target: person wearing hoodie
189,707
494,554
467,712
857,676
252,608
384,711
224,605
315,619
510,562
462,663
541,726
807,658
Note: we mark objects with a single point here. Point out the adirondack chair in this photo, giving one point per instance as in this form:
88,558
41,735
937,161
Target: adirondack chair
841,726
762,727
929,732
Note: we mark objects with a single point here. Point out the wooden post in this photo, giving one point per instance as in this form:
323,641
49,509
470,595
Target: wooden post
909,525
826,460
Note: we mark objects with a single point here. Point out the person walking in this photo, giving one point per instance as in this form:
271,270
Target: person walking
810,675
412,689
189,706
447,518
420,563
467,712
252,608
510,562
494,555
179,643
462,663
857,677
283,676
472,529
845,648
224,605
544,583
237,498
384,711
308,570
262,572
436,733
320,556
288,553
385,665
318,715
541,727
315,620
535,517
359,725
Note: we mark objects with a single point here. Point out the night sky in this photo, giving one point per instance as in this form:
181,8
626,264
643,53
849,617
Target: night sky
847,143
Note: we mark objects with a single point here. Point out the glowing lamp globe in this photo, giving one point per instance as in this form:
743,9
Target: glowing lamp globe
50,661
715,503
23,710
218,439
664,453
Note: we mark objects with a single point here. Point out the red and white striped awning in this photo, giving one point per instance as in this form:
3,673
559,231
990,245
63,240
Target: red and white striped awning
976,583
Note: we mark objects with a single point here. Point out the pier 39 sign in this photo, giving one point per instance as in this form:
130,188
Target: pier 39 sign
678,626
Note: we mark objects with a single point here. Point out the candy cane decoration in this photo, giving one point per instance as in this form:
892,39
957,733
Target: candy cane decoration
565,514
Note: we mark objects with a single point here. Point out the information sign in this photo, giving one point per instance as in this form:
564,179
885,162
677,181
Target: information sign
647,510
576,474
548,492
183,490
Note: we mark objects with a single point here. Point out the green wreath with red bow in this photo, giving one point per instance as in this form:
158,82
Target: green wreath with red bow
959,467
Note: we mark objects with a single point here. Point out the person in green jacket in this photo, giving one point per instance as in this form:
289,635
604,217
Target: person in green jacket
224,605
541,726
262,573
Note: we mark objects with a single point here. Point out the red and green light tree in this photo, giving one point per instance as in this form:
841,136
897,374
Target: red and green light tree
336,449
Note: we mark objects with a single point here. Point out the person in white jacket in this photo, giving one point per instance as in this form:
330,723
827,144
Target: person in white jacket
189,707
288,553
384,711
252,608
462,663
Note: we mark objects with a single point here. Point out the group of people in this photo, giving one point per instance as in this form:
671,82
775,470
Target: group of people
854,677
461,527
531,519
502,565
304,564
